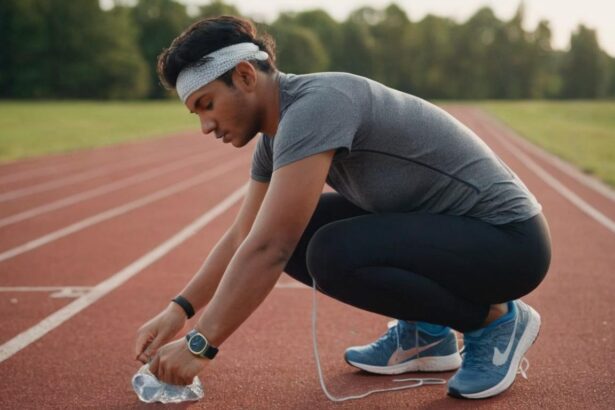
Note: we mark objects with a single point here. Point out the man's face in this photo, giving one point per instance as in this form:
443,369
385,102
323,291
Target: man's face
229,113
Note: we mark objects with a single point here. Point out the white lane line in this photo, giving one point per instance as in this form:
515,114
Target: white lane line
40,288
291,285
556,184
46,169
552,159
57,169
83,289
104,189
111,213
84,176
54,320
56,291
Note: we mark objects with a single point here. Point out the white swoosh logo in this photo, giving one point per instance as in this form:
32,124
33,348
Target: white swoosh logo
401,355
500,358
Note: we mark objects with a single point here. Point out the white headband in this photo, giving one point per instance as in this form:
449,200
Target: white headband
213,65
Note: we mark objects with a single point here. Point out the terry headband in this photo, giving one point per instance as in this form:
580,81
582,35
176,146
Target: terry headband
213,65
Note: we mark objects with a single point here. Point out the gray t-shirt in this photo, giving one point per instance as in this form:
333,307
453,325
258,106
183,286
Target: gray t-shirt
394,152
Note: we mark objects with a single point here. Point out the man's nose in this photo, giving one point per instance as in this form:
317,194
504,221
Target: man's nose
207,125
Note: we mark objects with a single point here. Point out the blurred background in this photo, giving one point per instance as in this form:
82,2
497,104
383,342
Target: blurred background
78,74
89,49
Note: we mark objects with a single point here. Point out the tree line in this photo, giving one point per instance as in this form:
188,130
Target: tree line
61,49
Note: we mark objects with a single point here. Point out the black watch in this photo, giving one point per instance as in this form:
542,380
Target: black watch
199,345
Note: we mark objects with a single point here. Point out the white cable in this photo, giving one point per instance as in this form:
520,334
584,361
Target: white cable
417,381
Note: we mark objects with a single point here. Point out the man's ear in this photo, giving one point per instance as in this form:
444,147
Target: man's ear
245,76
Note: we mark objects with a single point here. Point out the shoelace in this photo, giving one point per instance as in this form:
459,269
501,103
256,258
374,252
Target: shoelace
524,365
417,381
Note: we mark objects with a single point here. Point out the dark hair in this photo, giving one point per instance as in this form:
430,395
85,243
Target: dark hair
206,36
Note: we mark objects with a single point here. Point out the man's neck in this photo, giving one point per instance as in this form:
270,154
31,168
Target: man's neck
271,103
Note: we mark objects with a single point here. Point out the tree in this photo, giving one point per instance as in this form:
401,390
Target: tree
585,71
545,77
432,58
611,89
393,54
510,69
124,73
25,52
299,50
469,65
158,23
57,50
218,8
324,27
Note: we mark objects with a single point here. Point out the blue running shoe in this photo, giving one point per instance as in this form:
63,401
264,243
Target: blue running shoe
406,348
492,354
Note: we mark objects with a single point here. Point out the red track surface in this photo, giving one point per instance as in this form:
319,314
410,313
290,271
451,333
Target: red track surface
87,361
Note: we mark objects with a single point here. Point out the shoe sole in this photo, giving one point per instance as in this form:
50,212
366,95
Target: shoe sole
526,341
422,364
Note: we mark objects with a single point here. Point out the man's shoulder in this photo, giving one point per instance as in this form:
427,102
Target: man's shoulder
323,88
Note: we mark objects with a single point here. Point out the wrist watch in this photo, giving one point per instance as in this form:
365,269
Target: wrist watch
199,345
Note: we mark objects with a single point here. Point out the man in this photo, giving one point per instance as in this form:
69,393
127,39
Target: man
427,224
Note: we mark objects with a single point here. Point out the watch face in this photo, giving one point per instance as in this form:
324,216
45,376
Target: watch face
197,344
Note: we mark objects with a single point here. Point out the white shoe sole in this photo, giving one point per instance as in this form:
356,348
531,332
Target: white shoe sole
422,364
528,338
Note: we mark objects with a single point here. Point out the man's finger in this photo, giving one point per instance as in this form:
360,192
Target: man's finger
152,347
142,342
153,366
143,358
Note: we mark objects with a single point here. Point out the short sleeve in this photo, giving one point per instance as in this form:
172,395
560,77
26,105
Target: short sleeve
322,119
262,160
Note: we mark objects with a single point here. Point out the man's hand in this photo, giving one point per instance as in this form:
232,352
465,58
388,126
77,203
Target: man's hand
175,364
159,331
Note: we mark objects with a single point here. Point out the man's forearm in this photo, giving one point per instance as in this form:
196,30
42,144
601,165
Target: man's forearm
201,288
250,276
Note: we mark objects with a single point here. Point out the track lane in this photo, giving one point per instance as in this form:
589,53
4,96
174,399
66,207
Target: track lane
77,160
90,254
19,200
23,232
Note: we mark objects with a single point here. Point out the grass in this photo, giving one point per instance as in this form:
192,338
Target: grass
38,128
580,132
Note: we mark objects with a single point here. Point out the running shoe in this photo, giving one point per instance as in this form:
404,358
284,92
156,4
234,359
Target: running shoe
493,354
407,348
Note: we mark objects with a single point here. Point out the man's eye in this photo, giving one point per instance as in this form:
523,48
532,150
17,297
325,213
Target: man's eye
209,105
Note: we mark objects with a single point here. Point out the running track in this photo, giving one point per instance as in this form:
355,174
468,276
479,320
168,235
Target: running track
94,243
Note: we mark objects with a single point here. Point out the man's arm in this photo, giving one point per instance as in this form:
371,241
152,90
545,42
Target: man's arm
165,325
289,203
202,286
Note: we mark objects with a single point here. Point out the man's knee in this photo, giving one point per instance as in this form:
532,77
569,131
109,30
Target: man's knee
327,258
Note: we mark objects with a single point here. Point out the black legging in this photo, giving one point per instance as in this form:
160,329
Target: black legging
439,269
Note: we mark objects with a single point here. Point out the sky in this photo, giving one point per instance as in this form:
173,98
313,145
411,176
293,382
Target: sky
564,15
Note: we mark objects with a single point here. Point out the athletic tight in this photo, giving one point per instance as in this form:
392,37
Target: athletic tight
439,269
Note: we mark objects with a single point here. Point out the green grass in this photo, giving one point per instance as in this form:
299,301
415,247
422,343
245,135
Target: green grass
37,128
580,132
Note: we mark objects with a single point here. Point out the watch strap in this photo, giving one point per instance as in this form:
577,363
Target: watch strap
185,305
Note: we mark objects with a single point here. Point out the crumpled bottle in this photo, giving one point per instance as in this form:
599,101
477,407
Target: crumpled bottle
149,389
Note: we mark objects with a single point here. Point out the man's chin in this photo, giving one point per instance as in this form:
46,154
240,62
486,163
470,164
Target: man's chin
242,142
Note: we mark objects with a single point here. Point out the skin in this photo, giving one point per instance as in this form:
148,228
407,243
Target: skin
246,263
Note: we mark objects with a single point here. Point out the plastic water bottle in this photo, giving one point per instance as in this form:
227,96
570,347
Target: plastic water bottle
149,389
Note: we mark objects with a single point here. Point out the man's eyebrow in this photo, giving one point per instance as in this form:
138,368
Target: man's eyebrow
197,102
